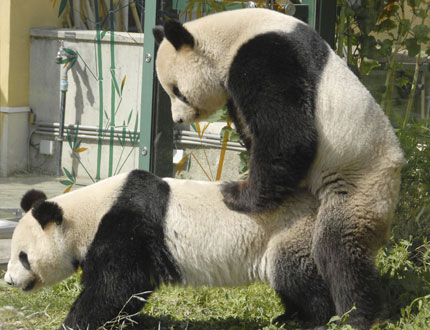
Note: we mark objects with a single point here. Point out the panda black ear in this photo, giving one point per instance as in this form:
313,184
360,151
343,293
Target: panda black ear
178,35
46,212
158,32
30,197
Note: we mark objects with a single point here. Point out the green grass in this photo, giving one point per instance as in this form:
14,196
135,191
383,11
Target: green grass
248,307
171,307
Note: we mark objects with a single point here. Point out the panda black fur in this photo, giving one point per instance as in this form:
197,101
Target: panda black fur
307,121
134,231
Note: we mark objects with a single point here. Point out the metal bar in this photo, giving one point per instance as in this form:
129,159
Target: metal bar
147,93
61,129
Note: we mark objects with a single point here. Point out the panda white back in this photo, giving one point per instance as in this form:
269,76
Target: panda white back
215,246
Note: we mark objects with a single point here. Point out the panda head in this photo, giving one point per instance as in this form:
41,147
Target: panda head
39,253
188,74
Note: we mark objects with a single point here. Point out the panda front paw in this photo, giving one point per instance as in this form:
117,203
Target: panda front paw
236,196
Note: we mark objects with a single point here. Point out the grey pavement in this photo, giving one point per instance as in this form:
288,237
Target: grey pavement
11,191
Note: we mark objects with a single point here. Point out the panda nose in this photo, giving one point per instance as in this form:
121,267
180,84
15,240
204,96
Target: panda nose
8,279
180,121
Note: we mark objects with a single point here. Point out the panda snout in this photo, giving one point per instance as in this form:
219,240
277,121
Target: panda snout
8,279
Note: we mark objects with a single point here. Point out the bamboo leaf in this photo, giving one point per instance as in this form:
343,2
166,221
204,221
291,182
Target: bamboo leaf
204,128
70,51
102,35
76,135
73,62
68,174
129,117
368,65
81,149
123,83
198,129
72,12
216,116
69,139
62,7
135,132
65,61
66,182
224,130
193,126
421,33
234,136
115,83
68,189
179,167
78,144
130,137
106,115
244,160
412,47
121,143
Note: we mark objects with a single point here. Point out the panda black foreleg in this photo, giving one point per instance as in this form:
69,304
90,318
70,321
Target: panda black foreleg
273,175
345,260
96,307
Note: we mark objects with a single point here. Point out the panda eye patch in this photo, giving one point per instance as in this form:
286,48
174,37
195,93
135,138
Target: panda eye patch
24,260
179,95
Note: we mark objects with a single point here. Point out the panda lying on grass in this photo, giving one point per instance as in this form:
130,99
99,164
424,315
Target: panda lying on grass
134,231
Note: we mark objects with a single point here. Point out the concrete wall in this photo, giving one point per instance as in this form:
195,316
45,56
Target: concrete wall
82,100
17,17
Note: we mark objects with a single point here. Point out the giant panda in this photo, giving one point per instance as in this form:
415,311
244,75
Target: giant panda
131,232
307,122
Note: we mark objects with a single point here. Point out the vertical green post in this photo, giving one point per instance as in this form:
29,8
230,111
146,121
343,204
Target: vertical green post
147,92
327,20
100,80
112,104
311,5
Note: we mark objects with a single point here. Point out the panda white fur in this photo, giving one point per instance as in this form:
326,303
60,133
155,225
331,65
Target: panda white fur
134,231
307,121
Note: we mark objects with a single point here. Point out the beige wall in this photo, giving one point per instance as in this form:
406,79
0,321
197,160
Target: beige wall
17,17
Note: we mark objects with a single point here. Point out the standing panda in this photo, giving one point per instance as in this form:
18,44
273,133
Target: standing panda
307,121
132,232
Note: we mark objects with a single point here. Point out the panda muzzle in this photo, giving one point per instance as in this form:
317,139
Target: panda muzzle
8,279
30,285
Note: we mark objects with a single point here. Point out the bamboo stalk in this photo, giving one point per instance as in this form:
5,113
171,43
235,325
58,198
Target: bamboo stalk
341,30
135,16
413,89
100,80
112,104
124,15
222,153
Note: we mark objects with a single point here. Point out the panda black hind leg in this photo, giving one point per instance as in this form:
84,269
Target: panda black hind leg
303,292
343,251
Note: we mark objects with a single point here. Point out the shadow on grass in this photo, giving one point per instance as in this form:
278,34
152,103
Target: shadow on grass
146,322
